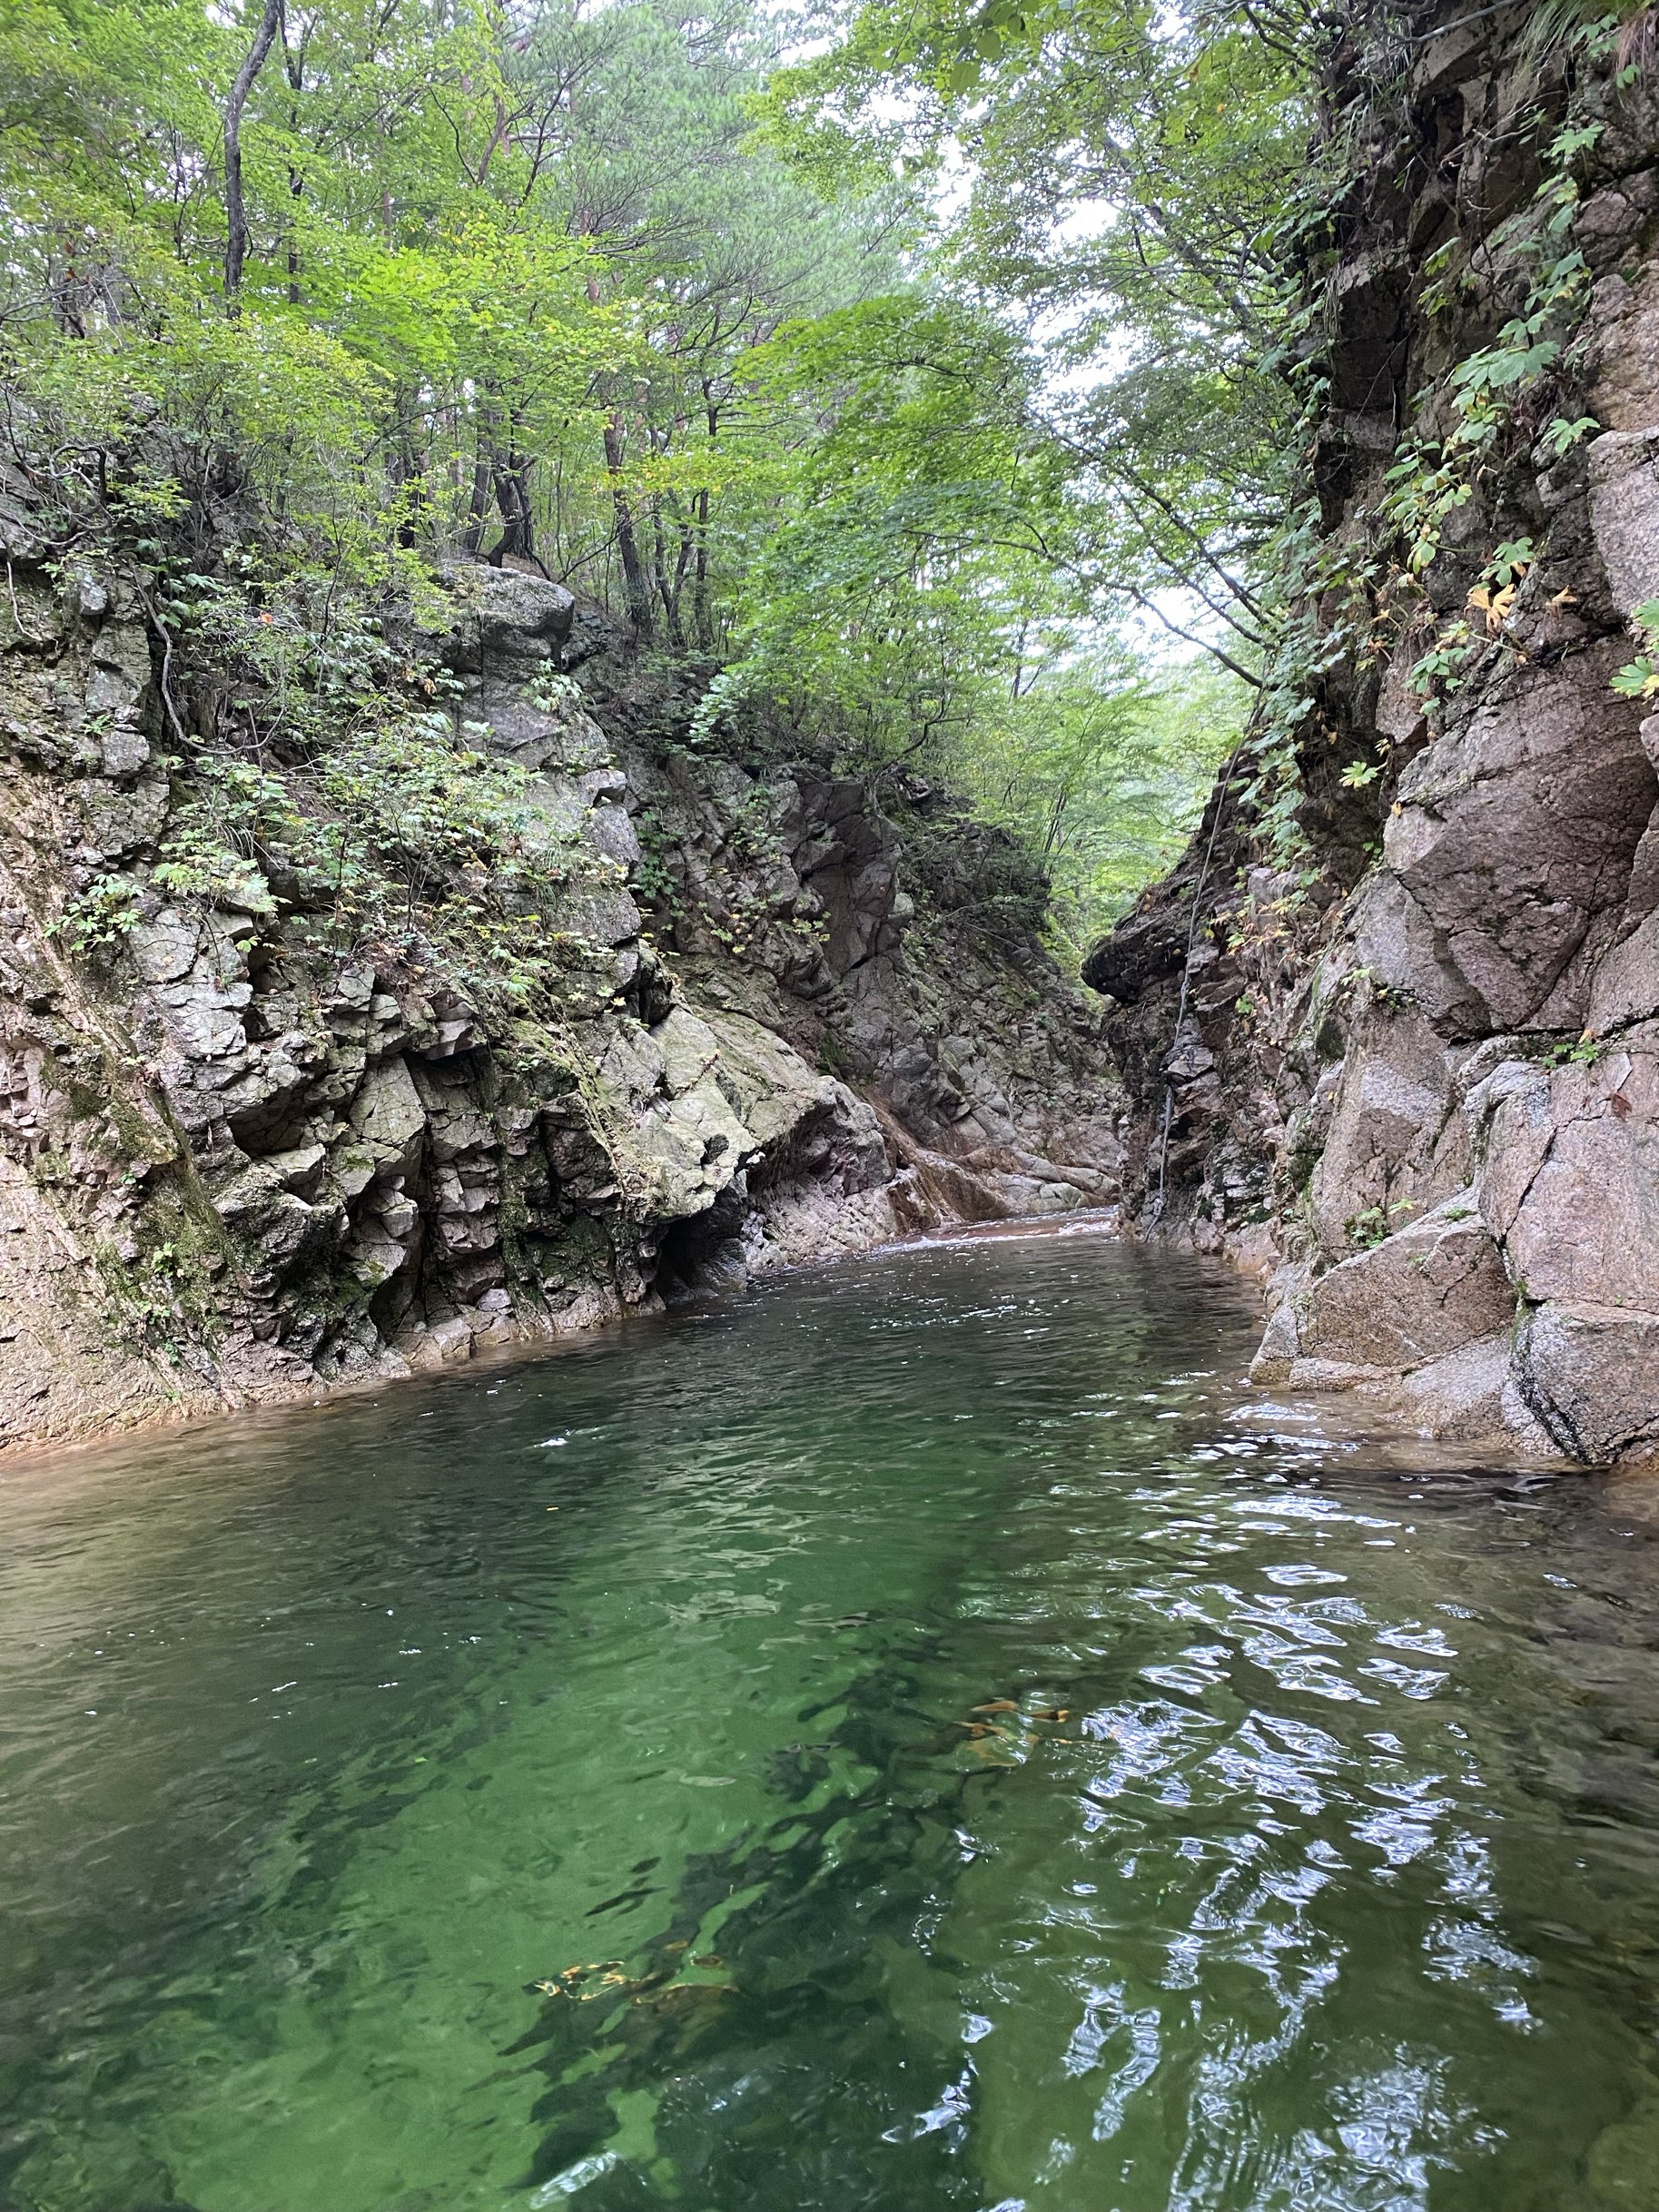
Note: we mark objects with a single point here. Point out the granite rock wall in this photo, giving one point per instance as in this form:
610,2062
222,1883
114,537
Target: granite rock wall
1413,1081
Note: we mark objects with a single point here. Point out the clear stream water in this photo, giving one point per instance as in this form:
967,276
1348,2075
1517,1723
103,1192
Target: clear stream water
917,1736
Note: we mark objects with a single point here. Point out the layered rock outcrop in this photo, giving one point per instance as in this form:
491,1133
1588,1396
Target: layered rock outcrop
1411,1073
243,1153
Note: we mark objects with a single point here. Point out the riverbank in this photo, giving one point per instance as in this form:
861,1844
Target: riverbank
253,1149
23,1456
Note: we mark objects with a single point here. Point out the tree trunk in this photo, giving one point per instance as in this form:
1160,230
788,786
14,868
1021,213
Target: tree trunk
682,569
478,507
512,482
294,67
407,467
627,540
701,619
235,211
666,591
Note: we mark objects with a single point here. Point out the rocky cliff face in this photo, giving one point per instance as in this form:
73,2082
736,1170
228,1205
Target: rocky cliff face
249,1144
1409,1072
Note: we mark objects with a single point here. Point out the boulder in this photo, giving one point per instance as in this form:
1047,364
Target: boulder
1569,1185
1591,1375
1514,835
503,616
1461,1396
1426,1291
1140,951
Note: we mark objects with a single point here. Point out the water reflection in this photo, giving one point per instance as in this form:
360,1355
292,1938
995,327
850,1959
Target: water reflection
919,1737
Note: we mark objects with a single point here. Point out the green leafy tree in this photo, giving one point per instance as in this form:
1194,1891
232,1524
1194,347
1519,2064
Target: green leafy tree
917,390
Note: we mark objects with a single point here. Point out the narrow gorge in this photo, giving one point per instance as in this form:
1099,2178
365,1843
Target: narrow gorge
829,1106
675,1000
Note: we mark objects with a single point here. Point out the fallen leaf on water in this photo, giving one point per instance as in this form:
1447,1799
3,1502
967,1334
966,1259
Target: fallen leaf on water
566,1985
997,1705
991,1749
1053,1712
593,1966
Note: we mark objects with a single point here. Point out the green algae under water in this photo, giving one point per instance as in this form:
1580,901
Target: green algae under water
325,1741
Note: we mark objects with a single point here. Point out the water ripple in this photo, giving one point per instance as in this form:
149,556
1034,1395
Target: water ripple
946,1746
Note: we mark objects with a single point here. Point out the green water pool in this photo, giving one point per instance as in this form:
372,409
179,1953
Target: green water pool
915,1735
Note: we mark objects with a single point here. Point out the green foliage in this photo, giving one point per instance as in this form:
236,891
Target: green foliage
913,552
161,1299
1564,434
96,919
324,785
1639,678
1440,670
607,291
1434,477
1128,170
1367,1229
1348,599
1102,770
501,288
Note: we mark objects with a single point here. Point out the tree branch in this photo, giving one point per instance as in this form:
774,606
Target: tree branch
235,210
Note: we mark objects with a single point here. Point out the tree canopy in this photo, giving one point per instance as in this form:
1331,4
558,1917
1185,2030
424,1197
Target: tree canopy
908,369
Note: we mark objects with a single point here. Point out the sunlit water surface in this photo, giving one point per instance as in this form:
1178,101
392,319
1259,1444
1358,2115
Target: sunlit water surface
914,1736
